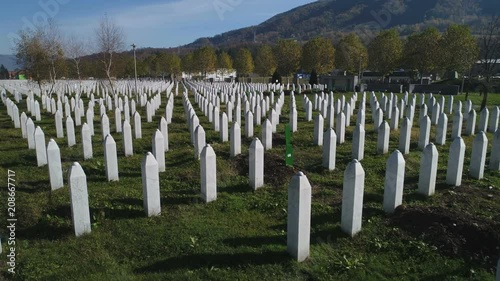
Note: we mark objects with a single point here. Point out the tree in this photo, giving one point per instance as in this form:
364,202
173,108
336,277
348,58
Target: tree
351,55
206,60
318,54
187,63
169,64
276,77
489,43
313,80
287,54
422,51
109,41
385,52
243,62
265,64
75,49
4,73
459,49
151,64
53,46
224,63
39,51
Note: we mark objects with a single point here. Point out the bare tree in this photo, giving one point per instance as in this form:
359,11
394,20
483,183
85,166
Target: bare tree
110,40
489,44
75,49
40,52
52,43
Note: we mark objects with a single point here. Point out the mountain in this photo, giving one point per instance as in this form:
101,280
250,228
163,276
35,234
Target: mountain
333,18
9,61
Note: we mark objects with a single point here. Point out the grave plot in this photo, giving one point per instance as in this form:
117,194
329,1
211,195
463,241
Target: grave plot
189,180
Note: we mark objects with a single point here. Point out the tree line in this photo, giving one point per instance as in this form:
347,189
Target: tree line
46,55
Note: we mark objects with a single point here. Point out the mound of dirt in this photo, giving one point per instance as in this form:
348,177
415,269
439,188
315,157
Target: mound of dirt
276,173
453,233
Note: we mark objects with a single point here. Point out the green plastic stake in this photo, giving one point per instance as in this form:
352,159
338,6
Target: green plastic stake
289,148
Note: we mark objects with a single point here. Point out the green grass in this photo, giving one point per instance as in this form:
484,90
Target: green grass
242,235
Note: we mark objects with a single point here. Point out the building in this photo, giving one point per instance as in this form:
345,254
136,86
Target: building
214,76
339,81
477,68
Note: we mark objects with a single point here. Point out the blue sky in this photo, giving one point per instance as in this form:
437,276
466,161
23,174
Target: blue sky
150,23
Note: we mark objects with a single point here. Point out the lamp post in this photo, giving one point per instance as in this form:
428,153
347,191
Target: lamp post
135,70
359,73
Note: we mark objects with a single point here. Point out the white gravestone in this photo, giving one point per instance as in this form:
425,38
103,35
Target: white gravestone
470,129
137,125
329,149
128,147
199,141
442,129
208,173
41,151
425,131
159,150
299,217
340,128
249,124
30,133
163,126
394,181
455,162
87,142
105,126
110,158
318,130
495,114
54,164
456,130
151,185
428,170
267,135
256,164
495,152
478,156
235,139
59,125
358,142
405,136
383,138
223,127
80,212
352,198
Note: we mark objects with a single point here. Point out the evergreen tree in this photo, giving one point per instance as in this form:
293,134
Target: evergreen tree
276,77
4,73
314,77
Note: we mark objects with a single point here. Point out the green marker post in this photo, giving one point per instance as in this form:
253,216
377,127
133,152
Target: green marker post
289,148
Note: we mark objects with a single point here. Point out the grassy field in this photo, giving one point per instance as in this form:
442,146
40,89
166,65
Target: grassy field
453,235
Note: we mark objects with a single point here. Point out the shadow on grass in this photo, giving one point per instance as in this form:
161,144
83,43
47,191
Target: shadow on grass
255,241
216,260
185,159
117,214
415,197
30,158
45,231
328,236
314,168
236,188
130,174
52,226
122,213
373,197
31,187
181,197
